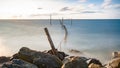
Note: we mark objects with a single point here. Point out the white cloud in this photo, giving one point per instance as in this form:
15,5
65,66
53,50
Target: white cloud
66,9
91,5
82,0
106,4
42,8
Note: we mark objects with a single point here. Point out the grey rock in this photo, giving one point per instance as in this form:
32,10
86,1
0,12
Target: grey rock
75,62
17,63
11,66
60,55
42,60
94,61
4,59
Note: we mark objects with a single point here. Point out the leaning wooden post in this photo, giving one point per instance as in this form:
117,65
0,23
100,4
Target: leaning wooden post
50,41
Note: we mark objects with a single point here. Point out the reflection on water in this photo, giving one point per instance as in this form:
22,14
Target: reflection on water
4,50
95,38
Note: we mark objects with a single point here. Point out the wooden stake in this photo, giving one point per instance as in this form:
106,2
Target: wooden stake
50,19
50,41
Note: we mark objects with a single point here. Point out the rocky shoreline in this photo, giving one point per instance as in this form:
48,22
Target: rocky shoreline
27,58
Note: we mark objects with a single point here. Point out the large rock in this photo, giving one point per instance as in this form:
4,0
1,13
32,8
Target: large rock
92,65
116,54
4,59
42,60
94,62
114,63
75,62
60,55
17,63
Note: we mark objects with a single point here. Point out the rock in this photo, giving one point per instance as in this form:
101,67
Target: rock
15,56
17,63
42,60
0,65
75,62
75,51
114,63
116,54
94,61
92,65
60,55
4,59
23,63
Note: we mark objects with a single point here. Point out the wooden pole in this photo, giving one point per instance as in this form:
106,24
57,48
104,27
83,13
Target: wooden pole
50,41
50,19
71,21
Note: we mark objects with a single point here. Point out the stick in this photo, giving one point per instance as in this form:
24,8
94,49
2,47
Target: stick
50,41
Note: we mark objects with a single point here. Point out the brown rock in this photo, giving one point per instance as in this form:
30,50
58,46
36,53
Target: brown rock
4,59
75,62
42,60
92,65
114,63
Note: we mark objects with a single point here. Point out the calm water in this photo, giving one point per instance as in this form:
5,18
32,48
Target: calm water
95,38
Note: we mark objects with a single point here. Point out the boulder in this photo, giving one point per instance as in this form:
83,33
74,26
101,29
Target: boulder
92,65
4,59
17,63
114,63
75,62
116,54
42,60
94,61
11,66
60,55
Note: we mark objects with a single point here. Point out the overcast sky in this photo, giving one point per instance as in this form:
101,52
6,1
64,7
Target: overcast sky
78,9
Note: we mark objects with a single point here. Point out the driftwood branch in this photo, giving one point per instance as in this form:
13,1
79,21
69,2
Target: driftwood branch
50,41
64,27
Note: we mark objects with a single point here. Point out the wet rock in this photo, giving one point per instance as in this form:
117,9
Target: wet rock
23,63
114,63
75,51
17,63
60,55
116,54
94,61
4,59
92,65
11,66
42,60
75,62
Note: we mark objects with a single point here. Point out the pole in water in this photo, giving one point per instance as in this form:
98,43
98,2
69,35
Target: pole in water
50,19
71,21
50,41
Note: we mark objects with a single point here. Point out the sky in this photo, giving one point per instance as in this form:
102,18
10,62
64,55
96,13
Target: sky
75,9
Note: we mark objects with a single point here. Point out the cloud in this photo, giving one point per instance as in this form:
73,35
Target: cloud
88,12
117,6
82,0
106,4
65,9
91,5
39,8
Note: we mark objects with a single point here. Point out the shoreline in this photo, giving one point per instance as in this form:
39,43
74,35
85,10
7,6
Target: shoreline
64,59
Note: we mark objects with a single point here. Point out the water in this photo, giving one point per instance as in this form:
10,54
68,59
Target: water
95,38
